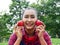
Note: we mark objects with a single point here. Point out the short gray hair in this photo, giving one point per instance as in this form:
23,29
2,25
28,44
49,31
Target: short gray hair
29,8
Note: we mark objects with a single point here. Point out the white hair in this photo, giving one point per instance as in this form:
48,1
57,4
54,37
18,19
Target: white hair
29,8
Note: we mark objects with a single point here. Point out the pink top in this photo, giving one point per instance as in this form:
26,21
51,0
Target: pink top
13,38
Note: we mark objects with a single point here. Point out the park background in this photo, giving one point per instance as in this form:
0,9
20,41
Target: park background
48,12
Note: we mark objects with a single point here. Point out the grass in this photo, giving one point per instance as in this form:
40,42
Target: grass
55,41
4,43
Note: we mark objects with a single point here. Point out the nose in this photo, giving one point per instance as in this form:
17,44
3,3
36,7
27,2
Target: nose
29,19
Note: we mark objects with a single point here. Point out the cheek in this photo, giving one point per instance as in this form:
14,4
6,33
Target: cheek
34,20
23,19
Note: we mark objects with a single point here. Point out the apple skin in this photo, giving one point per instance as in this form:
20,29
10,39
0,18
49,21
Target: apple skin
20,23
38,22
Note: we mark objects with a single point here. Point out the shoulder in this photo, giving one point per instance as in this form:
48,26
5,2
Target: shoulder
13,35
46,35
47,38
12,39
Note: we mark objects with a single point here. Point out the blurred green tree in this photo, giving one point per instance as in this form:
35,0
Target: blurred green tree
4,31
49,13
16,9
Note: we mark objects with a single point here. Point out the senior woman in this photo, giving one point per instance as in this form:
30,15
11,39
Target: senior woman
38,34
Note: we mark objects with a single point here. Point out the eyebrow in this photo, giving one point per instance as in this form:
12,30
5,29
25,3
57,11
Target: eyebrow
32,14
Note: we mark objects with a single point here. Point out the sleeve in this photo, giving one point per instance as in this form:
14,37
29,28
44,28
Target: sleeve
47,38
12,39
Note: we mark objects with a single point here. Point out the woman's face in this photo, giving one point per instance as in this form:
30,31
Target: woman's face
29,18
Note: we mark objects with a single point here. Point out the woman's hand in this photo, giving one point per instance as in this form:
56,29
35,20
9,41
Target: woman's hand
18,31
40,30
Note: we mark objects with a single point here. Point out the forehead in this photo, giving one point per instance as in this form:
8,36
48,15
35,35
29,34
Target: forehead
30,12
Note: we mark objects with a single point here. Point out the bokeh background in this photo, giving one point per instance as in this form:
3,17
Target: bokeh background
48,12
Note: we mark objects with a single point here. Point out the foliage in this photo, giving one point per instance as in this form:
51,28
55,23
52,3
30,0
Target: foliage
16,9
4,31
49,13
8,20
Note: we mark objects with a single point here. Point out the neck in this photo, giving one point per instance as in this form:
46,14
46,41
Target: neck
30,32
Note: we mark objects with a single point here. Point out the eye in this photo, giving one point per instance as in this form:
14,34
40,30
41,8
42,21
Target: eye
26,16
32,16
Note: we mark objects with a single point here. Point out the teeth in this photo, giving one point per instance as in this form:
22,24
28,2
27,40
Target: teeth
29,24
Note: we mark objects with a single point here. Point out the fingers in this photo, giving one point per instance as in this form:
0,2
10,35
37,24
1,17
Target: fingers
43,24
17,28
18,31
40,29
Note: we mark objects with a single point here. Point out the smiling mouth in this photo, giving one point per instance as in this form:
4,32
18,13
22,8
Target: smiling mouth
29,24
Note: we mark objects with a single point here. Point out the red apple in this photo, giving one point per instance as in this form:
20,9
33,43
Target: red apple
20,23
38,22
